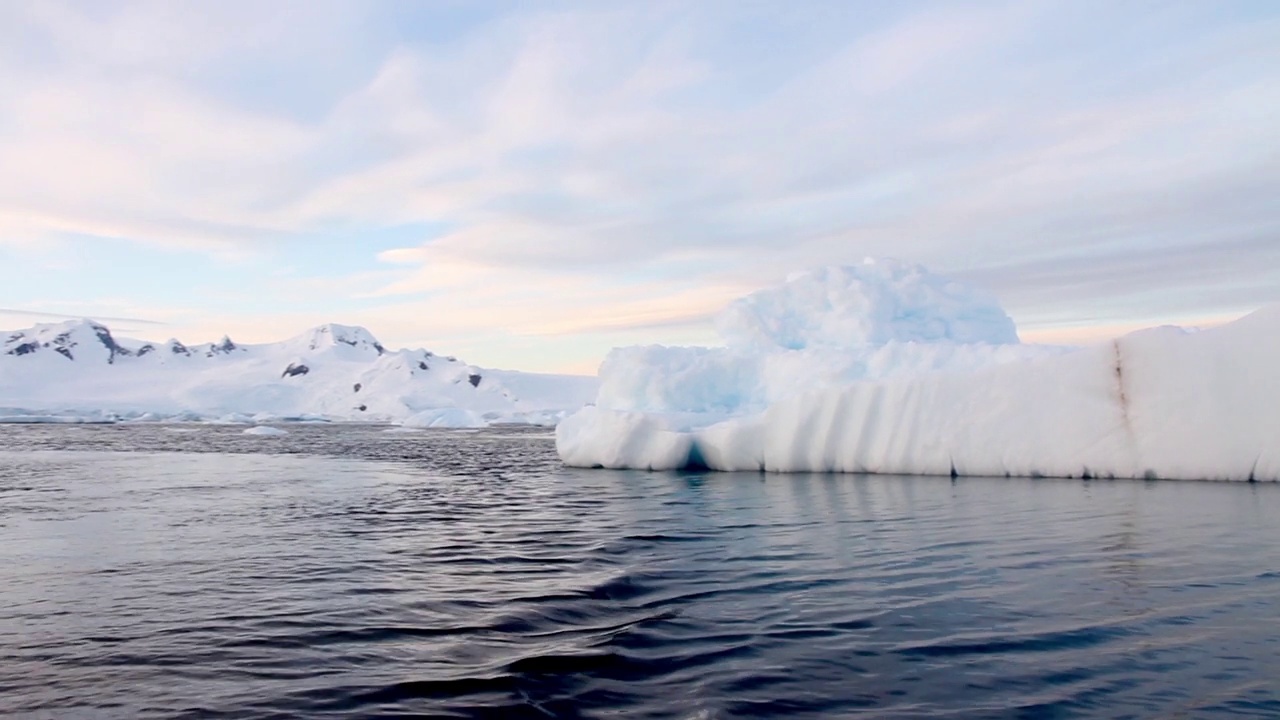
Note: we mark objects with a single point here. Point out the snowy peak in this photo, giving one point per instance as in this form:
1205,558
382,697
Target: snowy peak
173,347
338,336
331,371
75,340
90,341
225,346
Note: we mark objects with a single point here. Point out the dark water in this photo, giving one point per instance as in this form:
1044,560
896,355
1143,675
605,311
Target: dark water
348,572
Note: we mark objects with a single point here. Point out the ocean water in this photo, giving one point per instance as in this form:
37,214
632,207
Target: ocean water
345,571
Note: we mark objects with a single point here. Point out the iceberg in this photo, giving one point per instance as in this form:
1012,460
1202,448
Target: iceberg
445,418
828,327
1160,403
265,431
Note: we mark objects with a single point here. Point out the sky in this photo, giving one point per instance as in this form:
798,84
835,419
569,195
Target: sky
526,185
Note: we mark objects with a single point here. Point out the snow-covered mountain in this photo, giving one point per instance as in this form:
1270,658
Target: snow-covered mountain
332,371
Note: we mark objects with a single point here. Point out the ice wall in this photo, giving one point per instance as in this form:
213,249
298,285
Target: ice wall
1160,403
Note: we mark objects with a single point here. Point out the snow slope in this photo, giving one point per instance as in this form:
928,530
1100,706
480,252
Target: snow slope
332,371
1164,403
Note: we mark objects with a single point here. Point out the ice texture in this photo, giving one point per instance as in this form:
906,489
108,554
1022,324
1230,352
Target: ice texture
878,302
827,327
1159,403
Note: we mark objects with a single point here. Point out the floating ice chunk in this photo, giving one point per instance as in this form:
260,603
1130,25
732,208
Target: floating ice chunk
593,437
265,431
446,418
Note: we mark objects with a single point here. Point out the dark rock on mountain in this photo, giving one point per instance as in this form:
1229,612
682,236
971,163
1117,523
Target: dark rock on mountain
113,348
295,369
222,348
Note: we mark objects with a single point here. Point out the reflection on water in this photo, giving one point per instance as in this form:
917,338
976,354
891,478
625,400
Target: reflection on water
348,571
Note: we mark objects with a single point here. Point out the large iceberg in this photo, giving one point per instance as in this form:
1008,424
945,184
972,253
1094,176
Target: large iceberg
1159,403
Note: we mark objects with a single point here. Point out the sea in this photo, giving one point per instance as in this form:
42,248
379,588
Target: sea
357,571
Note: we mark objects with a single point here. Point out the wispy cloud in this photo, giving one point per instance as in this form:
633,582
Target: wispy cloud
55,317
585,168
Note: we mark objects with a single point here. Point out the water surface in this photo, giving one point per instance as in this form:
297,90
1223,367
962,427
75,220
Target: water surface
343,571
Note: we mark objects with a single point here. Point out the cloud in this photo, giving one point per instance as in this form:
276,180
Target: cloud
55,317
589,167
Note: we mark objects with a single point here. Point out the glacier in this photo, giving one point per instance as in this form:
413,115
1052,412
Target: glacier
78,371
934,383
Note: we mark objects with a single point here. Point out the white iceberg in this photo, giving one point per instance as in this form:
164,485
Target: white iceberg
1159,403
445,418
265,431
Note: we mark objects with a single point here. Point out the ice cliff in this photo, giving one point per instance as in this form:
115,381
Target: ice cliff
884,368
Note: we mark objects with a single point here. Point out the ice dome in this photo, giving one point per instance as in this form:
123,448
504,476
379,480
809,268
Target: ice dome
881,319
877,302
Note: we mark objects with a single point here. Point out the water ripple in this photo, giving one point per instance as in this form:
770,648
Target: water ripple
343,571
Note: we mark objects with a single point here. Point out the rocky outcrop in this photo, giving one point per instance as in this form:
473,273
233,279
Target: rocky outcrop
295,369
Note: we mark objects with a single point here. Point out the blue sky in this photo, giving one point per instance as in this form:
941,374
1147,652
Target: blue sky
529,184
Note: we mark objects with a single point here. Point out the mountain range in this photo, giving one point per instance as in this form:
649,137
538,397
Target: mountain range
80,369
